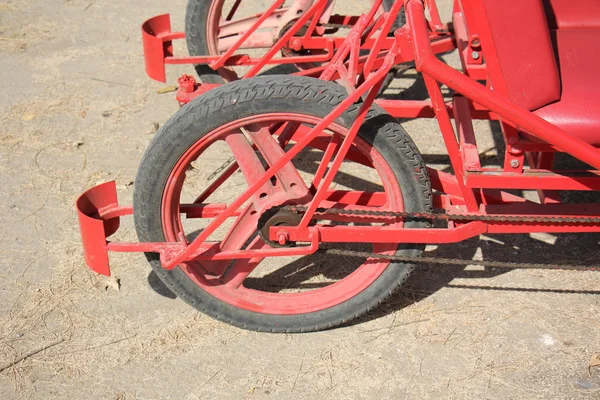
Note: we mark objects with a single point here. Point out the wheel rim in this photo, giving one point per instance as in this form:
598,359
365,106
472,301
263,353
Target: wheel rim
212,27
217,280
212,33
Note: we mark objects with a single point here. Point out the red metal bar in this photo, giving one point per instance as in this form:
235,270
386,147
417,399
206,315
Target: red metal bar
316,19
145,247
381,234
444,182
389,19
203,210
436,21
217,183
449,137
221,62
466,134
362,234
244,59
324,164
543,180
313,238
349,47
528,208
285,38
424,109
546,161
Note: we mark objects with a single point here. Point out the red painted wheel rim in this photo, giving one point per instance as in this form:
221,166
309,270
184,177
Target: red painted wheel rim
212,33
268,302
212,27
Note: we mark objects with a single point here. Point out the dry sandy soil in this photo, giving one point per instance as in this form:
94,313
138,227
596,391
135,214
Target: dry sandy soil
76,109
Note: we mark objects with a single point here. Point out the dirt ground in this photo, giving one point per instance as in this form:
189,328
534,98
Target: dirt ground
76,109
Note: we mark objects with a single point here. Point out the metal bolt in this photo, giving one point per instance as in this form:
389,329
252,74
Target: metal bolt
475,55
282,238
514,163
187,83
297,44
515,149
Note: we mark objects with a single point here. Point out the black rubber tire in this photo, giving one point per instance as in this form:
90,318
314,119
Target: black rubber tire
258,96
196,19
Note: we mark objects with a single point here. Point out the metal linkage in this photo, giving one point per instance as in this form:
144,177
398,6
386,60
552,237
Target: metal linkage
440,216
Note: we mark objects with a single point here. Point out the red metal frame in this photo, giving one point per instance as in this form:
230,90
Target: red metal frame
158,38
472,189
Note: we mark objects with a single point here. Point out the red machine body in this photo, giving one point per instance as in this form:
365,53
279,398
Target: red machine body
539,66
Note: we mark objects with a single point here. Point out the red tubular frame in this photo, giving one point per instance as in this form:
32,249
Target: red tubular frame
157,39
467,191
429,65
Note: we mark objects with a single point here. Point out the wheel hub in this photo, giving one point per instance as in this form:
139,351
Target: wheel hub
277,217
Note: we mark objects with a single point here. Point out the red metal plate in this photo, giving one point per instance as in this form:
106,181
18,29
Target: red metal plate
95,230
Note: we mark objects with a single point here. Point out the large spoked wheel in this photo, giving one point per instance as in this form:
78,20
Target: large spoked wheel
213,26
242,127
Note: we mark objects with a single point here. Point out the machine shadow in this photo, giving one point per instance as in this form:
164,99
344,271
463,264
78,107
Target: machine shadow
427,279
159,286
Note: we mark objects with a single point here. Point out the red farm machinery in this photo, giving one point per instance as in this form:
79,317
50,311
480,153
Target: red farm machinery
530,65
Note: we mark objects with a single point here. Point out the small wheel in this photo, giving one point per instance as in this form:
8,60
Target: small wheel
203,21
383,171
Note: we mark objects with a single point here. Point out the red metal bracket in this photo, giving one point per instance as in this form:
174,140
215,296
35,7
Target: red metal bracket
94,230
98,212
157,40
189,89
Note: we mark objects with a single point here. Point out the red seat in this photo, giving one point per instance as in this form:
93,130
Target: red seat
518,51
572,14
578,110
553,72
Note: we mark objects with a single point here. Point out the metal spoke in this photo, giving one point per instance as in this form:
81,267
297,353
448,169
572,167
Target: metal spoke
288,175
237,273
247,160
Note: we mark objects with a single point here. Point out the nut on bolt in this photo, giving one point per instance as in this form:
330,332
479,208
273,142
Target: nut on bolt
296,44
283,237
187,83
514,163
515,149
